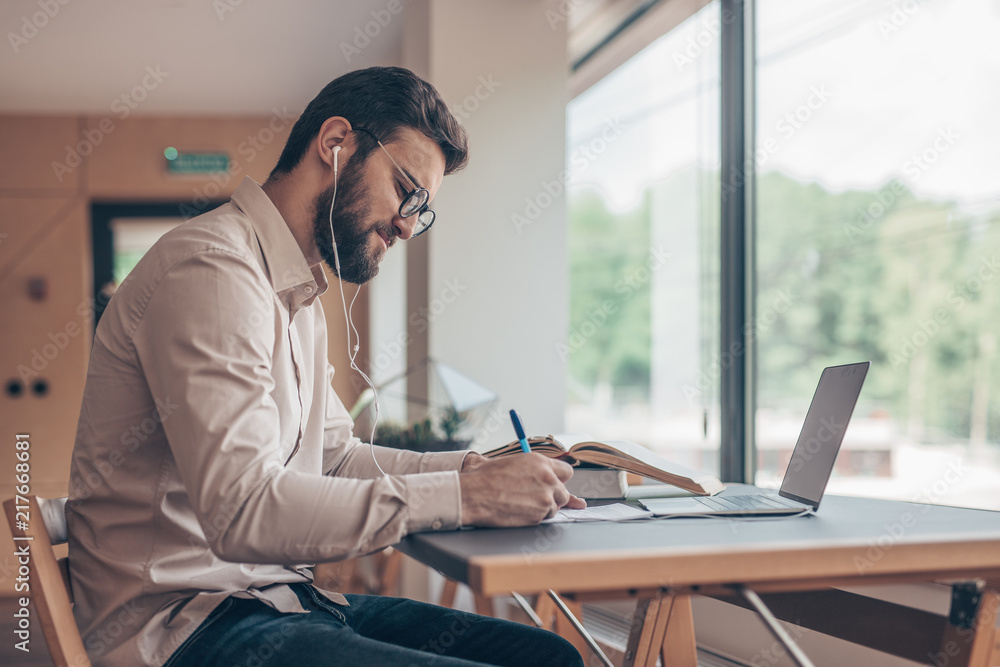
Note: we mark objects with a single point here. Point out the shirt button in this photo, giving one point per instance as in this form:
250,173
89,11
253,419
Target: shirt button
308,289
436,524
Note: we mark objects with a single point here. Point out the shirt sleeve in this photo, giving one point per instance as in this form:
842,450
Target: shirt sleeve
198,347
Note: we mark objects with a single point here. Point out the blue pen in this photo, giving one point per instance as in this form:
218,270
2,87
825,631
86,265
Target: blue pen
520,432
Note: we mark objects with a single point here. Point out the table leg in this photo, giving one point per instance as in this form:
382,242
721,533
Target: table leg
679,647
389,563
566,630
662,624
484,604
640,637
545,608
448,592
973,646
797,655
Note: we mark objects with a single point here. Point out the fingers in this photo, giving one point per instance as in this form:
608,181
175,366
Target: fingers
520,490
560,496
562,469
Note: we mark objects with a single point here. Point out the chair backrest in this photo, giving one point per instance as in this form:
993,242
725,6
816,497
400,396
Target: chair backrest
39,523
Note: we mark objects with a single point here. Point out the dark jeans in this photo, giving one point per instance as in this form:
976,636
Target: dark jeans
373,630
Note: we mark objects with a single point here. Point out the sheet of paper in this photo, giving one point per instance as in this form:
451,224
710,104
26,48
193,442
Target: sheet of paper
612,512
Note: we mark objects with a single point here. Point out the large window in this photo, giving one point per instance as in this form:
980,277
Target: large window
878,206
877,237
644,221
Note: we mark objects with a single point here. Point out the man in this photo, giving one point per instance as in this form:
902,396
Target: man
213,461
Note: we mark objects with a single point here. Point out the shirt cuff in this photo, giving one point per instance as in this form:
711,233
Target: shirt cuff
434,500
438,461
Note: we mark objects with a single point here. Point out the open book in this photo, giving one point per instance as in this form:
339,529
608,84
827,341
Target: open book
617,454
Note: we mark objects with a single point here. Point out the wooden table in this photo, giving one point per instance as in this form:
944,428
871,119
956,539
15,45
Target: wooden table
794,564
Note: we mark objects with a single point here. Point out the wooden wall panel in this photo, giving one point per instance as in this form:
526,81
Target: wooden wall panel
24,223
50,341
30,145
47,340
129,164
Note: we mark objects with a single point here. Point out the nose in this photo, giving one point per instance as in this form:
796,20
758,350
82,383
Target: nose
404,226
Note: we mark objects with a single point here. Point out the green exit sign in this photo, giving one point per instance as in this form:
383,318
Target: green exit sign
195,163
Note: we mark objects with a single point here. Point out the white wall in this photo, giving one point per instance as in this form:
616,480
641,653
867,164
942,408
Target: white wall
498,296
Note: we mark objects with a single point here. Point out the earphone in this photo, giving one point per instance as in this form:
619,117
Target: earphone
352,352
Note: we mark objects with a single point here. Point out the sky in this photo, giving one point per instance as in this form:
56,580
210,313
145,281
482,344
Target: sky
850,94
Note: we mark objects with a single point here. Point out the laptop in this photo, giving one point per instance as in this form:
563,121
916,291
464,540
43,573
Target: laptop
810,466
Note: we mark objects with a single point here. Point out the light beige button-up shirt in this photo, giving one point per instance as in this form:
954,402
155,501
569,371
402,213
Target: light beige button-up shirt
212,456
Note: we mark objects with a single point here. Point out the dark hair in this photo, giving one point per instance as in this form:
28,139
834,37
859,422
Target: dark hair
381,100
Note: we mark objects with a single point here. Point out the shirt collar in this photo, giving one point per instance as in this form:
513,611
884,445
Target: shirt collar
291,277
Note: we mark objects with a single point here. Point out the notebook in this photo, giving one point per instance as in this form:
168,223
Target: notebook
810,465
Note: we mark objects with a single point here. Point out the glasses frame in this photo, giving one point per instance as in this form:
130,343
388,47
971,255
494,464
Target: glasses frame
415,200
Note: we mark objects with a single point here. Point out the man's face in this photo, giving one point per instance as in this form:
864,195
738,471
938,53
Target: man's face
366,220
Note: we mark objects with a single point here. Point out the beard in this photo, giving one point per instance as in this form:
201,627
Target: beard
358,262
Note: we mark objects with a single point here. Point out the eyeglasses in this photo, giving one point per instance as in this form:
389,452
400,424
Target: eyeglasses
414,201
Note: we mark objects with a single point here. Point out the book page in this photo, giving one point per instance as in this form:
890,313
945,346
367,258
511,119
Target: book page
537,444
650,458
568,440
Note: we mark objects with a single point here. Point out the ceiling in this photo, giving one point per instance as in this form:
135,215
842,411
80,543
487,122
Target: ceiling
233,57
222,57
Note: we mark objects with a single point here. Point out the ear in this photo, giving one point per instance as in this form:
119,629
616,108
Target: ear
335,132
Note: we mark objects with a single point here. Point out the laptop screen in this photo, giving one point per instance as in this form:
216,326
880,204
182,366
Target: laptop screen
819,441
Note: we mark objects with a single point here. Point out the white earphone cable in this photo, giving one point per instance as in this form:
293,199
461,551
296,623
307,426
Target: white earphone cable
352,349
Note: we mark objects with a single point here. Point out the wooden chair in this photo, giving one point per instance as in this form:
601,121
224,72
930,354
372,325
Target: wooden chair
41,523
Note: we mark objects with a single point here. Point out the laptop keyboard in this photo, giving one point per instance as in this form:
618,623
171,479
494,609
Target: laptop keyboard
744,503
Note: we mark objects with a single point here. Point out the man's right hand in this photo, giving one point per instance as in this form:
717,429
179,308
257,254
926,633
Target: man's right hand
516,490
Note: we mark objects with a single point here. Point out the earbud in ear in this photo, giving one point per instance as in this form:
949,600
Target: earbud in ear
336,151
